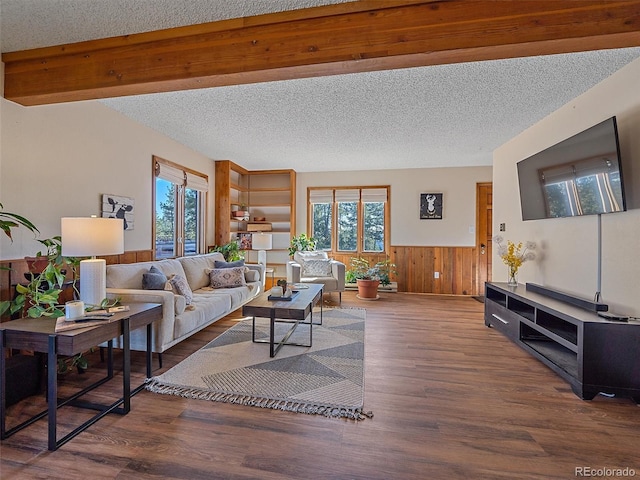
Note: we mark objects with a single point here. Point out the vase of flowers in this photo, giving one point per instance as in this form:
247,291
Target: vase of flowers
513,256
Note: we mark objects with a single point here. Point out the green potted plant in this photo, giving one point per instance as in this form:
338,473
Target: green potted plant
368,277
9,221
40,295
230,251
301,243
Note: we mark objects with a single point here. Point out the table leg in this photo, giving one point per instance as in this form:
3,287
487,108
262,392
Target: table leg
253,330
149,353
149,358
126,367
52,391
110,359
272,332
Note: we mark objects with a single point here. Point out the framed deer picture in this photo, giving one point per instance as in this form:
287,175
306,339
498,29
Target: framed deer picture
430,206
114,206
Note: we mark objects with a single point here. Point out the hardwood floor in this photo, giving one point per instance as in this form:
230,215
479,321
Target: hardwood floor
452,400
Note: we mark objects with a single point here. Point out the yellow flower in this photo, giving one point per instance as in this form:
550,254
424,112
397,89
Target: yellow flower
514,254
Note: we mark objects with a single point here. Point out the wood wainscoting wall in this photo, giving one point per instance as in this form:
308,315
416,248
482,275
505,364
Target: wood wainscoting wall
417,265
15,270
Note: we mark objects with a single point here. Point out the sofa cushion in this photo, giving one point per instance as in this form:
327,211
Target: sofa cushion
313,255
180,285
205,306
330,283
320,267
195,266
171,266
251,275
221,264
236,295
127,275
227,277
179,304
154,279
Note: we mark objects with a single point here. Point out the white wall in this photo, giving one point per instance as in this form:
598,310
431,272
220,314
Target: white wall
458,186
57,160
568,247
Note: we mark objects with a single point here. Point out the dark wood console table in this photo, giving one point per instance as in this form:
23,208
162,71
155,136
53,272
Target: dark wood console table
593,354
293,311
38,334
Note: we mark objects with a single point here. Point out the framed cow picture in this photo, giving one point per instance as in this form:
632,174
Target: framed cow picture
114,206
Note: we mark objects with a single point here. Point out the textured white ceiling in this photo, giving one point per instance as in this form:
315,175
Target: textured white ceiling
450,115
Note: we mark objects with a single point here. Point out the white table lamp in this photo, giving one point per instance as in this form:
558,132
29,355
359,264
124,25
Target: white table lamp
261,242
89,237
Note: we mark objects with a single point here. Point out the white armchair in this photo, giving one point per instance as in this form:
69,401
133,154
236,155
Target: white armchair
316,267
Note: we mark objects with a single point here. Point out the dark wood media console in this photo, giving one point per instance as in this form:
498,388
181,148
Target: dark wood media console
593,354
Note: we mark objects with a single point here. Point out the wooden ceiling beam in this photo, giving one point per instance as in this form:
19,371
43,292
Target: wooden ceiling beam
345,38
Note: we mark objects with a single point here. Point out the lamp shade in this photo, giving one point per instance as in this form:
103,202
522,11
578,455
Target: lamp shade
261,241
91,236
88,237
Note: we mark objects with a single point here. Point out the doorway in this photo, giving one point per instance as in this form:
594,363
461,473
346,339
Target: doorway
484,233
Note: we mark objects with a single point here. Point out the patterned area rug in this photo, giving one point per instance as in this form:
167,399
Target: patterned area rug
325,379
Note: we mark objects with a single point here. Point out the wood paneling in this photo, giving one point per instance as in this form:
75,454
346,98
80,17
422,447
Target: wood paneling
417,265
452,399
335,39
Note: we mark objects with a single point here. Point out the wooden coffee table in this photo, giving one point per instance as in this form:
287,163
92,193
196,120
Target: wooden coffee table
295,311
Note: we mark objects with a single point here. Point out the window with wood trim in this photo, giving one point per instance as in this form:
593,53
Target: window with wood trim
179,209
349,219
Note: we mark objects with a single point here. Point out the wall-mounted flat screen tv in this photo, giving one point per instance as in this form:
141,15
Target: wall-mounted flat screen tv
578,176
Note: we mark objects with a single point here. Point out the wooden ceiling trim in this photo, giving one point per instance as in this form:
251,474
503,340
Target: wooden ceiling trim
344,38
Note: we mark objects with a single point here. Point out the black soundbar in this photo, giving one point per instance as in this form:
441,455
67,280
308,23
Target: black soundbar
563,297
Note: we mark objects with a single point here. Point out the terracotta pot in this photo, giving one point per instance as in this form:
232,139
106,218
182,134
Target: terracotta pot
368,289
36,264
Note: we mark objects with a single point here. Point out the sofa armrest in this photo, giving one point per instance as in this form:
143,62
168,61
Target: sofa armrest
338,272
294,272
163,329
258,267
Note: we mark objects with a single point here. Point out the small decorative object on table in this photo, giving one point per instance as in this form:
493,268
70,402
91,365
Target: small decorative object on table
513,256
288,296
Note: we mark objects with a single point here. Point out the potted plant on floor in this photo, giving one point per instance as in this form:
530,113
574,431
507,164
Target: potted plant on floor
368,277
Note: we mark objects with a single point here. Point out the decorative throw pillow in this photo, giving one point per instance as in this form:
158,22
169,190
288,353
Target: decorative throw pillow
154,279
221,264
227,277
180,285
316,268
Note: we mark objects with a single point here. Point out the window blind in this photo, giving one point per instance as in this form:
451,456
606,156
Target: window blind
374,195
320,196
170,173
347,195
196,182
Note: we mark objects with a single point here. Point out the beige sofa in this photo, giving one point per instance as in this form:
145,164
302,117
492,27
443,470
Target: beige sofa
180,320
